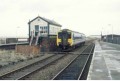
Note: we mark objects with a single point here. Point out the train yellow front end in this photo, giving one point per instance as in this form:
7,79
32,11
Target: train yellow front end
67,39
64,39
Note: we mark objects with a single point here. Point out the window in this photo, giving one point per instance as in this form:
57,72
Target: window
36,28
46,27
69,35
41,28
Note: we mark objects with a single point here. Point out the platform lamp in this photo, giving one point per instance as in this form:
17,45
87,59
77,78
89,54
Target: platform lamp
102,34
16,38
16,34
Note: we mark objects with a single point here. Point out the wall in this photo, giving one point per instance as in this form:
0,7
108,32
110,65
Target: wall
46,45
26,49
54,29
11,40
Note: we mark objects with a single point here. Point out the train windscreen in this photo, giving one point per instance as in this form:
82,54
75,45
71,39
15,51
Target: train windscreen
60,35
64,35
69,35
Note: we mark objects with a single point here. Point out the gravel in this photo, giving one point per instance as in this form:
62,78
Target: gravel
11,67
9,56
49,72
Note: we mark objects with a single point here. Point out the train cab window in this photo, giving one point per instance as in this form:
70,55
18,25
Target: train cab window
69,35
59,35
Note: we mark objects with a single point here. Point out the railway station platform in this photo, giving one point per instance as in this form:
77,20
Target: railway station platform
105,64
14,44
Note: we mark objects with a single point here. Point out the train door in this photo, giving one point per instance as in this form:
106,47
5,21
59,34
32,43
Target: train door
65,38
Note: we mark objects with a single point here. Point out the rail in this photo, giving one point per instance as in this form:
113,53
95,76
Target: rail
75,68
23,72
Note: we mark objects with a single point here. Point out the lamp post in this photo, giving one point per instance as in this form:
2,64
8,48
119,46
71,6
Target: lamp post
107,37
101,34
16,34
112,31
16,39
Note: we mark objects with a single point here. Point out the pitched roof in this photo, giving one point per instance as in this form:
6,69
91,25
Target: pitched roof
47,20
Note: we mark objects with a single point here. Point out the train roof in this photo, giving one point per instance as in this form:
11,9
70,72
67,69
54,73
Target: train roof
71,31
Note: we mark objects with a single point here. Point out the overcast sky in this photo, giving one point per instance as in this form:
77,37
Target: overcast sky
86,16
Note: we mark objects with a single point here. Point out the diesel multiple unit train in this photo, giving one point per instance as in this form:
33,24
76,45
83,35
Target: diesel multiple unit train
67,39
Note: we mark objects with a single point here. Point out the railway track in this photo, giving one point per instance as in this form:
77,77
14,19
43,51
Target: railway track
78,68
23,72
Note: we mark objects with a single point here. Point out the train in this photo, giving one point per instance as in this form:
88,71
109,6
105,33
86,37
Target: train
69,39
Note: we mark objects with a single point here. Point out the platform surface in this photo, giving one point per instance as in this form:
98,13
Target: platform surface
105,64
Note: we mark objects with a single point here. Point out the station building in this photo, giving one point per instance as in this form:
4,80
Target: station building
43,32
42,36
45,26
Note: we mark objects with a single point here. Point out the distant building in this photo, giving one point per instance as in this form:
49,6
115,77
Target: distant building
45,26
112,38
2,40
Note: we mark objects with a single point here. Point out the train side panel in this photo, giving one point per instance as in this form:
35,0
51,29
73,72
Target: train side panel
78,38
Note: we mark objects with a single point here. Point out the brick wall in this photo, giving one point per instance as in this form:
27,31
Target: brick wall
26,49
